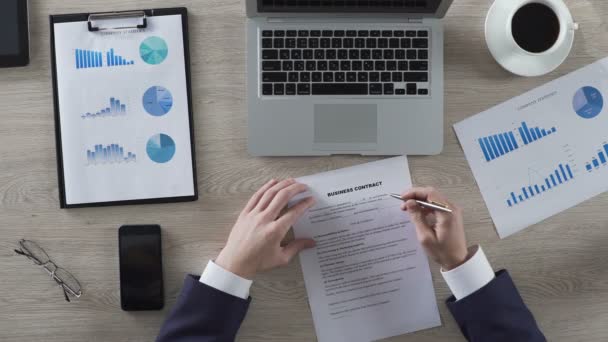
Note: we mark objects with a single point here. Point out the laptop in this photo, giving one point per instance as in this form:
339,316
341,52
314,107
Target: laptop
328,77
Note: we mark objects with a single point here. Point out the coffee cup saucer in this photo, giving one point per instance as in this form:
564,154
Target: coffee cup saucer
511,56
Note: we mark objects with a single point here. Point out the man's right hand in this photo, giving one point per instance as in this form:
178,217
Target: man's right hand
440,233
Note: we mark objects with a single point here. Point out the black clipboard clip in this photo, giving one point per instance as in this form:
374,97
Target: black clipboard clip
138,19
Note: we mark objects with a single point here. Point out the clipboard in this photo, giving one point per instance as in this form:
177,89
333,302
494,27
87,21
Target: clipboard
111,155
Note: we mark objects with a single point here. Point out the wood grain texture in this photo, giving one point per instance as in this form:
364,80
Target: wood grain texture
559,265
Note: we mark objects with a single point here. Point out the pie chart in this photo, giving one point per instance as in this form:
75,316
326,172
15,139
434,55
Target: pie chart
160,148
588,102
157,101
153,50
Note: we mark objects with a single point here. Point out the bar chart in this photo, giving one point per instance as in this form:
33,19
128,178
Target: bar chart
115,108
109,154
85,59
498,145
561,175
599,160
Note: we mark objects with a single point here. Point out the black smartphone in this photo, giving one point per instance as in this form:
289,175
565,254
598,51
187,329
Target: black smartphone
141,270
14,33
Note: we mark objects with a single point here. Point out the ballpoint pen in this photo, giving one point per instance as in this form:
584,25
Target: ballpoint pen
429,205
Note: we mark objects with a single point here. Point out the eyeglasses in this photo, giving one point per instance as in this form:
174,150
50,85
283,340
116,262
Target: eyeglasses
69,284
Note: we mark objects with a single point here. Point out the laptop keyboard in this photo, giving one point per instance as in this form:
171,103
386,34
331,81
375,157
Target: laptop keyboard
345,62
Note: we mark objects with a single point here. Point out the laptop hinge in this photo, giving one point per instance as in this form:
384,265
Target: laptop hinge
339,18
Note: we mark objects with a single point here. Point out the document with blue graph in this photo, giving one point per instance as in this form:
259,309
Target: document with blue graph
122,111
542,152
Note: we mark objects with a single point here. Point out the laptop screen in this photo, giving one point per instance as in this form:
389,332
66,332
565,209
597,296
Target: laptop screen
351,6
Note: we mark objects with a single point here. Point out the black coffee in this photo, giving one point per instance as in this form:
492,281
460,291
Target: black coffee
535,27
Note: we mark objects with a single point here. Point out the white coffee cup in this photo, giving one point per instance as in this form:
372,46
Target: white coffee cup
511,56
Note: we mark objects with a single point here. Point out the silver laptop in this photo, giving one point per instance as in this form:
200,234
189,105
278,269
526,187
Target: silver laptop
345,77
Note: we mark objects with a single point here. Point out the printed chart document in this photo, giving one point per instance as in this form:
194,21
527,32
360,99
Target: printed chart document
368,277
542,152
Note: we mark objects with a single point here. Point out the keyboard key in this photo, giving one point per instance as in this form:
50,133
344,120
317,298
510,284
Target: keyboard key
379,65
387,33
423,54
383,43
368,65
419,65
302,43
279,43
415,77
279,33
410,88
345,65
271,66
399,33
296,54
400,54
374,77
319,54
420,43
374,33
362,77
330,54
293,77
290,43
315,33
366,54
377,54
328,76
399,91
292,33
302,33
307,54
370,43
304,89
342,54
353,54
363,33
284,54
267,43
298,65
348,43
375,88
322,65
339,89
290,89
274,77
410,33
411,54
393,43
334,65
397,77
317,77
270,54
339,76
325,43
287,65
391,65
423,33
267,89
266,33
385,76
359,43
402,65
351,33
423,91
279,89
406,43
339,33
304,77
311,65
389,54
327,33
356,65
351,77
388,89
313,43
336,43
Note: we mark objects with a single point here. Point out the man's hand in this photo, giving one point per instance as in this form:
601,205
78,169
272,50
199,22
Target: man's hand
440,233
255,241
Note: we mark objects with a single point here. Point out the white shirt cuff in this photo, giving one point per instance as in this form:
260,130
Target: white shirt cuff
471,276
225,281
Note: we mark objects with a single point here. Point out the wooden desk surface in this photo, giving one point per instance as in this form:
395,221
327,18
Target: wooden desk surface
560,265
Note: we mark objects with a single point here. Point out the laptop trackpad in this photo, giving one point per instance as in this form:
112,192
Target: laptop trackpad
346,127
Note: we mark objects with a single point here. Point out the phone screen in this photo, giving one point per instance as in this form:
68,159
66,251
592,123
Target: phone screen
141,280
9,27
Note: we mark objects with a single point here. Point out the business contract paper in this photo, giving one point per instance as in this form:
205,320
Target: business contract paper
368,278
542,152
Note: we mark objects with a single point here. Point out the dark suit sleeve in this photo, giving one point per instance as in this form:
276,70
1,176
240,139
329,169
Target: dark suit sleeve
203,314
496,313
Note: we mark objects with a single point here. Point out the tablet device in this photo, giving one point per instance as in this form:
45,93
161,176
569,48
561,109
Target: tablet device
14,33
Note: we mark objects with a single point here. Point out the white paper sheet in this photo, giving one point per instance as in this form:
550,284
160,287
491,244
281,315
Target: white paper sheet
368,277
552,168
87,86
